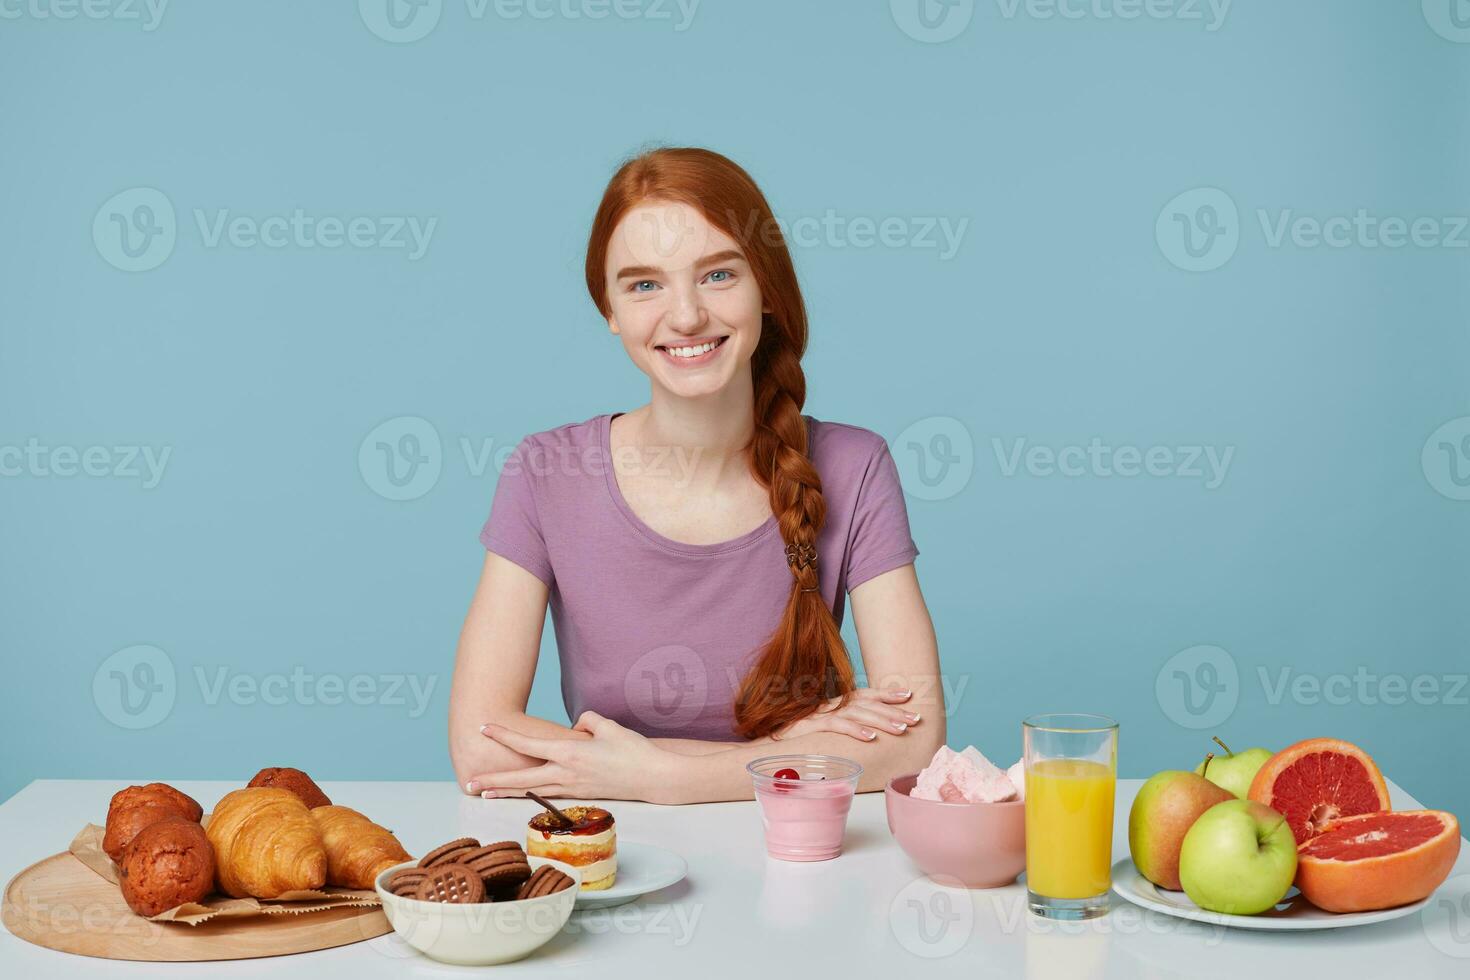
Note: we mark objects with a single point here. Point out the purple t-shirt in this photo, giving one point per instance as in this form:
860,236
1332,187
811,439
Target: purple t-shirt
654,633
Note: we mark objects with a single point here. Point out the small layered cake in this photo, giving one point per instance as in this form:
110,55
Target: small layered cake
589,843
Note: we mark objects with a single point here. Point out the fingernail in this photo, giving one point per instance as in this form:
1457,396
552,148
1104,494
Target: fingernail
472,787
869,734
483,729
903,694
900,727
489,794
913,718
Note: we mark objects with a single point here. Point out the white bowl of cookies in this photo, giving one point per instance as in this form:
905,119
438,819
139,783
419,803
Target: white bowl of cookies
473,904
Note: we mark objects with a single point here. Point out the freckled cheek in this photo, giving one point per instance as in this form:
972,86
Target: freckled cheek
740,309
637,323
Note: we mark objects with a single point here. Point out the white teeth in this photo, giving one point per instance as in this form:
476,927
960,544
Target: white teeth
694,351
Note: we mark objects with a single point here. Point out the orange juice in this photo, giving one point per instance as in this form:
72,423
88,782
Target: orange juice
1069,827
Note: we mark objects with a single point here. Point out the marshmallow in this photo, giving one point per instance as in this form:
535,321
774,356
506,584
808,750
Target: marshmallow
963,777
1017,776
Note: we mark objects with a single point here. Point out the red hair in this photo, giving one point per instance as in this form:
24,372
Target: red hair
805,662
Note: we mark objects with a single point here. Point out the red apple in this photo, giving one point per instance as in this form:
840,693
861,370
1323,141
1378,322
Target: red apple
1164,810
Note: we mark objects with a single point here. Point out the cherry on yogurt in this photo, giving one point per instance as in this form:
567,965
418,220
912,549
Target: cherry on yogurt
783,779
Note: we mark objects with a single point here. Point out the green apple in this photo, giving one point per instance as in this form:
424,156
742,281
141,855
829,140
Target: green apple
1163,811
1236,769
1238,858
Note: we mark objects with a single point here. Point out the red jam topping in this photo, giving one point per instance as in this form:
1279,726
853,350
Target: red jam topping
586,821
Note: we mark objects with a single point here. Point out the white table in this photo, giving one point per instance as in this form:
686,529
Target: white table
867,914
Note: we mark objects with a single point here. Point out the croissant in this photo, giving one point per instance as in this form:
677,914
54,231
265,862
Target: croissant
357,849
265,843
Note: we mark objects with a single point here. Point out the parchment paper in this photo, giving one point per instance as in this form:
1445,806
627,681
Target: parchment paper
87,848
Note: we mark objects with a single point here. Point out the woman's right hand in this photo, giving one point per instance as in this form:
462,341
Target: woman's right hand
867,714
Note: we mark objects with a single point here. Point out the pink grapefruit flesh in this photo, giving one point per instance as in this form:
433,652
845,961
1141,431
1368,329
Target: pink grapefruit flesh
1317,781
1378,860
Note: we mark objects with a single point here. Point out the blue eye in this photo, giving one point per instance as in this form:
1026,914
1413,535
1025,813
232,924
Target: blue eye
638,286
726,273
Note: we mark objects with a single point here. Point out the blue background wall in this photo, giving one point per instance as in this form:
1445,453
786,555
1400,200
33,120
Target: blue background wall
1333,547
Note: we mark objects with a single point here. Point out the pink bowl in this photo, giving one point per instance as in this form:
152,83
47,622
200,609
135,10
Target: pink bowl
981,844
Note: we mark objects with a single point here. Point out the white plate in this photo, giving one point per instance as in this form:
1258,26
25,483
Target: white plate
1292,913
642,868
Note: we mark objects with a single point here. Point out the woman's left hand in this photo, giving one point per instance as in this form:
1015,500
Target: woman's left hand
614,763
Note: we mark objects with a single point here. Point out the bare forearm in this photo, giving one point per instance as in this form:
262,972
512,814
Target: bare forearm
473,754
694,746
721,775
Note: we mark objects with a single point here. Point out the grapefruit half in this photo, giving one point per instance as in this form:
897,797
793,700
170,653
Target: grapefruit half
1316,781
1378,860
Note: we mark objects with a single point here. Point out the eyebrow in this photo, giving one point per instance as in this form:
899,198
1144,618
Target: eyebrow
630,271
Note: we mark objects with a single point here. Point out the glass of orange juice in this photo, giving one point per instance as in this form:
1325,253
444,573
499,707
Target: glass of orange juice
1071,772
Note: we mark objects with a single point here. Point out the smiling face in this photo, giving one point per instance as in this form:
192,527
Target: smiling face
683,299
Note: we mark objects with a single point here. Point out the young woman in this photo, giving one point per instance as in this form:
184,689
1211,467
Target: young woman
695,552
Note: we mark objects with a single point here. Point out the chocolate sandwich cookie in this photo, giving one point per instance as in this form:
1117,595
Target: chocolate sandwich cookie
488,849
502,866
545,880
448,853
406,882
453,883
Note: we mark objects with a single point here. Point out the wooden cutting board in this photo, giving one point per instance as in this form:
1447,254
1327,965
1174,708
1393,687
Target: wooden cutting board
62,904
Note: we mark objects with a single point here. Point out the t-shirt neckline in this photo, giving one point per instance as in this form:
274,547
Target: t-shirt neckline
636,522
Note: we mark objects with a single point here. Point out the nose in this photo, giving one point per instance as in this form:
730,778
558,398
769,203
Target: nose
686,313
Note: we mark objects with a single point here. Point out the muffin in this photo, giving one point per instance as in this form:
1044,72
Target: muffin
135,807
294,780
160,794
590,843
128,822
169,863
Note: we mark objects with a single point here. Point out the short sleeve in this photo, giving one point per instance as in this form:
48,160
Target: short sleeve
513,529
880,539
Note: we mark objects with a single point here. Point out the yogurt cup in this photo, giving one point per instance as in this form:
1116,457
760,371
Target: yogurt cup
804,818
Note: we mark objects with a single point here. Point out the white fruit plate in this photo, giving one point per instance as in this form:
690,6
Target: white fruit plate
1292,913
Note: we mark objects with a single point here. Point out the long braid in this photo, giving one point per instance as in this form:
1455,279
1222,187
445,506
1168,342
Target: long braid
806,662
